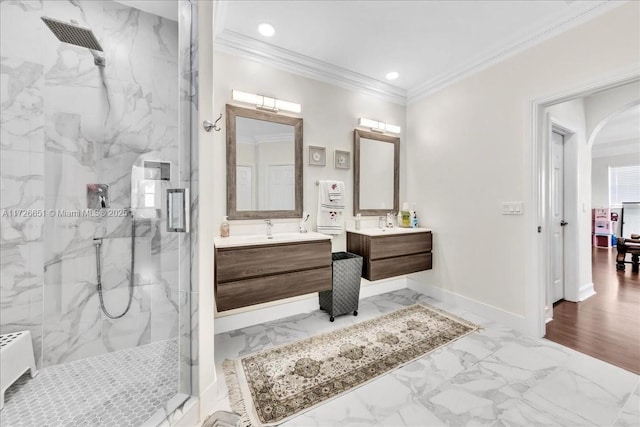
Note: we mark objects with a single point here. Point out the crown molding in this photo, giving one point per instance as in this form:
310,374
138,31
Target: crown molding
238,44
582,13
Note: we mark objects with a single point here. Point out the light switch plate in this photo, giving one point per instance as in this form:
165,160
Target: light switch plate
512,208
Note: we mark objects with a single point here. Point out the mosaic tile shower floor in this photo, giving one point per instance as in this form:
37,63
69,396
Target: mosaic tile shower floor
122,388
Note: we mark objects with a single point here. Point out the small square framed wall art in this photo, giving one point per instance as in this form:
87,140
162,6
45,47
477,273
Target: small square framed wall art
342,159
317,156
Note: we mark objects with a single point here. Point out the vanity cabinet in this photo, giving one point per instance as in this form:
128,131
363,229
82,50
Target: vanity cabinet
389,254
254,274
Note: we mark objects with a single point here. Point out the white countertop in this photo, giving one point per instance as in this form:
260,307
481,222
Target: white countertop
388,231
261,239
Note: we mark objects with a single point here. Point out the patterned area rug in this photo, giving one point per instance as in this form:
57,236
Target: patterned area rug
273,385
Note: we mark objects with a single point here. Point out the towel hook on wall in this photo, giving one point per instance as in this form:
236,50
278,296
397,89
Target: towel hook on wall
208,126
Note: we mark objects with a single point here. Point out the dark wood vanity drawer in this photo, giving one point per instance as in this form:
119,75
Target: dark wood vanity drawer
242,293
392,255
397,266
264,260
399,244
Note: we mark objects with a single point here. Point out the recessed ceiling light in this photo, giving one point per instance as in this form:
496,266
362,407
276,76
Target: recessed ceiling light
392,75
266,30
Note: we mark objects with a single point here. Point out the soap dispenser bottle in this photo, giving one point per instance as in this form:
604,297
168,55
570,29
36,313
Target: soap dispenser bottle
406,215
224,228
414,217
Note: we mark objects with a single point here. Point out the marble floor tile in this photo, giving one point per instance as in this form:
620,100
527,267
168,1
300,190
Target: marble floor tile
300,326
494,376
477,395
584,391
442,365
630,415
525,361
395,401
233,344
411,415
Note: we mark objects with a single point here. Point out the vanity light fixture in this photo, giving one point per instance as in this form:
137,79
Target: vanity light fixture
264,102
377,126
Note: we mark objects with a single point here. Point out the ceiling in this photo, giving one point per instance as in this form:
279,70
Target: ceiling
429,43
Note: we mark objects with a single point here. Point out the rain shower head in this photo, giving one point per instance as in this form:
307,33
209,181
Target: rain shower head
75,34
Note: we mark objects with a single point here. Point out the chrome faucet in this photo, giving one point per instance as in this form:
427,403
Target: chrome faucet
269,228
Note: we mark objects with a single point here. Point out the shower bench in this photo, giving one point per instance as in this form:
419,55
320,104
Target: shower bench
16,358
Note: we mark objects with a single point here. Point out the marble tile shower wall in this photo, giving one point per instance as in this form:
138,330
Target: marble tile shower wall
67,123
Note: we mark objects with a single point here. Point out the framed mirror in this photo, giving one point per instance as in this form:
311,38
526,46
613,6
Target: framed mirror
264,164
376,169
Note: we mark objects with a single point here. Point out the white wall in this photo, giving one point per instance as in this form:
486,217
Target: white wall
469,148
329,112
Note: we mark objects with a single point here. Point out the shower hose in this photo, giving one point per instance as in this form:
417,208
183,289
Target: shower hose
98,243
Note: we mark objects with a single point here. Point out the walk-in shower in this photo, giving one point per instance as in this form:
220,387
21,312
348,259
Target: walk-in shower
97,273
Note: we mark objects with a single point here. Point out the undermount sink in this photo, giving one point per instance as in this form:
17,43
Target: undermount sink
262,239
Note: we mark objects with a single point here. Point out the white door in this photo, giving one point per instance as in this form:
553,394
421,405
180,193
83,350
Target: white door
244,190
557,216
281,187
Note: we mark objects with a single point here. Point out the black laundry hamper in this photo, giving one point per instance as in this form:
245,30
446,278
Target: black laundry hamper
345,293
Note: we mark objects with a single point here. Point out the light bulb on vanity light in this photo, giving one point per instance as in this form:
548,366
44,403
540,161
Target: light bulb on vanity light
377,126
265,102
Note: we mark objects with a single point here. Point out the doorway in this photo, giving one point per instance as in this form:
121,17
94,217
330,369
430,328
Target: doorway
578,202
578,321
557,213
564,219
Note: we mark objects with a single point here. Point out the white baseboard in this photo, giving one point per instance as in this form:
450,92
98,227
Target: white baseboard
207,401
476,307
300,305
586,291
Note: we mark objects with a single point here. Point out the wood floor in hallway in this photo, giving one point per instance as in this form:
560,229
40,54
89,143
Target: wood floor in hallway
607,325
